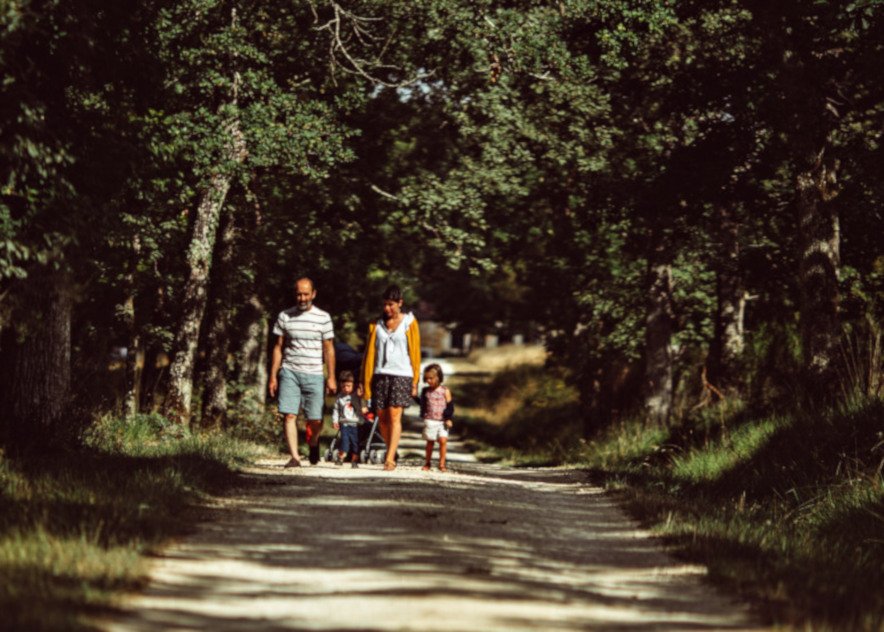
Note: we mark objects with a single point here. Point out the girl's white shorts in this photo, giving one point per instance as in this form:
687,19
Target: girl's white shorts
434,430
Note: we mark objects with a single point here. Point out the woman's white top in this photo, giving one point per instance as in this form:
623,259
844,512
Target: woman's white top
392,349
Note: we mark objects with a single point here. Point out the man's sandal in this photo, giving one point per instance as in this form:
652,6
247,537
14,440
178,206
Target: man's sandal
293,463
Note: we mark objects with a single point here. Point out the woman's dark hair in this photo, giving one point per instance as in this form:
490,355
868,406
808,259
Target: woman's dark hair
393,293
438,369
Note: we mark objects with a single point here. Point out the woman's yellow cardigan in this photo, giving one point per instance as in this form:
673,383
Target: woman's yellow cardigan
412,335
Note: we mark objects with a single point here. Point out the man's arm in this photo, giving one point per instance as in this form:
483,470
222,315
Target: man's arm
274,366
328,355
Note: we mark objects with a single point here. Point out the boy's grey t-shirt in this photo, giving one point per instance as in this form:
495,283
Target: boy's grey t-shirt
347,410
304,334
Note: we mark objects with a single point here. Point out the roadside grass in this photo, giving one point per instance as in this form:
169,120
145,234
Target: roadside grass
786,510
507,356
75,525
524,415
266,429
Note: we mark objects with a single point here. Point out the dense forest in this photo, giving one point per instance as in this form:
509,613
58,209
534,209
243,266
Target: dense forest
681,200
684,199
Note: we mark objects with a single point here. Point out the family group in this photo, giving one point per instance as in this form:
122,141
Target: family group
303,372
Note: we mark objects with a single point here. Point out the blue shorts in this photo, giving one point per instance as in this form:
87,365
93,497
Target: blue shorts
349,439
297,389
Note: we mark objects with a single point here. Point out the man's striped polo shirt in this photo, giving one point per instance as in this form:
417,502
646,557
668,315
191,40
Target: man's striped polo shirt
304,333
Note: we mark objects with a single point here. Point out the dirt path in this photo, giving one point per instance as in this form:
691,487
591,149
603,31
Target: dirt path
480,548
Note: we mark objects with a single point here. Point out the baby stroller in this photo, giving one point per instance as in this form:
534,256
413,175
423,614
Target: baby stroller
372,448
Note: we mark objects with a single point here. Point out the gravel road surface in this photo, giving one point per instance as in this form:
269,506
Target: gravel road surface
480,548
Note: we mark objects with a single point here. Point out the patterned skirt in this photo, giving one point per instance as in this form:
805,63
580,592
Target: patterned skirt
388,391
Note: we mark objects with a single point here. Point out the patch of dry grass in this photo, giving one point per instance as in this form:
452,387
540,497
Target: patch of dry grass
502,358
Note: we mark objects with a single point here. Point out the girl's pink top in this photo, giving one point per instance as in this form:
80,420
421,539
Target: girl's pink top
436,403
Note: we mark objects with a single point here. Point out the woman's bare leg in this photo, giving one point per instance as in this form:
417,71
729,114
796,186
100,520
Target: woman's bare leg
394,414
384,424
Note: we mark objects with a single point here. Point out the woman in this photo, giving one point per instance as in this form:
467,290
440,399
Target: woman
391,368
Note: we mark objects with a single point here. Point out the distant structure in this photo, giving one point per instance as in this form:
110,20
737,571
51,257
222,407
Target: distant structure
436,336
439,338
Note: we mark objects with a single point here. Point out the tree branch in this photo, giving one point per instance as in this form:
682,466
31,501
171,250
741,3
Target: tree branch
339,45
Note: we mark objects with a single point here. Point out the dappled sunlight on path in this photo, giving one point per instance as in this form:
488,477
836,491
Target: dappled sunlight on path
479,548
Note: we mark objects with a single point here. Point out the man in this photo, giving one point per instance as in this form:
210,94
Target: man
304,344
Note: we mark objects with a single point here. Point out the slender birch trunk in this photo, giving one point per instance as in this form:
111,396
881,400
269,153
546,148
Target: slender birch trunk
133,347
252,357
659,323
819,241
133,370
728,344
199,263
219,321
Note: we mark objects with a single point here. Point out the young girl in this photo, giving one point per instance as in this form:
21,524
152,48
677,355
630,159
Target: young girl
437,409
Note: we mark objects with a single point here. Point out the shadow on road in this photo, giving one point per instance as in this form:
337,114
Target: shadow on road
480,549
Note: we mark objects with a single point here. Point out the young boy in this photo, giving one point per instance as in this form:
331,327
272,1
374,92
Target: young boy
437,409
346,416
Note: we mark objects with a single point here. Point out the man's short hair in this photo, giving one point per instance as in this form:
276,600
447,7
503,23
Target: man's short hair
346,376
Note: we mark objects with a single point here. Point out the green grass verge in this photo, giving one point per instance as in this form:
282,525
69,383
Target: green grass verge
525,415
74,526
786,510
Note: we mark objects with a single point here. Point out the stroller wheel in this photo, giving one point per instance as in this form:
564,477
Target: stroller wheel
329,455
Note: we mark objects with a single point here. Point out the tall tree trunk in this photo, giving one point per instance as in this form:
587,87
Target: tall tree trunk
819,240
132,396
199,262
219,321
37,380
133,347
728,344
659,322
252,357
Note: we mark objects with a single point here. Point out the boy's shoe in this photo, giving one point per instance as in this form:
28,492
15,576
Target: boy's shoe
354,465
314,454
